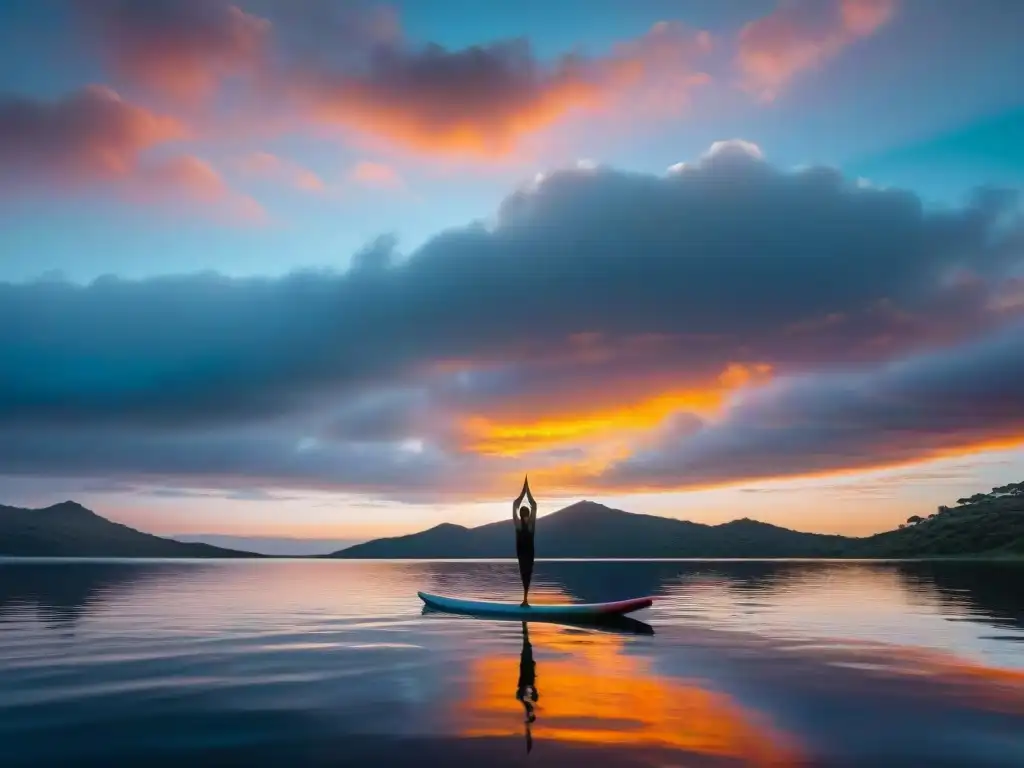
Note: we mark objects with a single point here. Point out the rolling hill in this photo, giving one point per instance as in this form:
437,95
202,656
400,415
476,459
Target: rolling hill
990,524
588,529
70,530
984,525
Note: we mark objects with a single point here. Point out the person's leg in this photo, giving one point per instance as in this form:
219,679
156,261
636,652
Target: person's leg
526,571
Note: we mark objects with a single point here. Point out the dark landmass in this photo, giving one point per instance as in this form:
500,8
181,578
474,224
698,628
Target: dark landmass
590,530
984,525
70,530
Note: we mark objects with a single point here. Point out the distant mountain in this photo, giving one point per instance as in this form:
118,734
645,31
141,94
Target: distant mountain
279,546
590,530
986,524
70,530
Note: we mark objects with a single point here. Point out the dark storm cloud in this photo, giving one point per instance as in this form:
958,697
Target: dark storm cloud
953,399
590,283
732,250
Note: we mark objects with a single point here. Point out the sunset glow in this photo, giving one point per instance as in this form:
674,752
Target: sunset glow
354,269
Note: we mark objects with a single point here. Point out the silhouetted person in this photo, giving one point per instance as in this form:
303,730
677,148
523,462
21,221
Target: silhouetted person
525,518
526,691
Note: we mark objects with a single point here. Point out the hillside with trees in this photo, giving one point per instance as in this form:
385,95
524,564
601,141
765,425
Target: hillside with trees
989,524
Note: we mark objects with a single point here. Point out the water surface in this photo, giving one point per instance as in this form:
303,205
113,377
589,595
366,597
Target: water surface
333,663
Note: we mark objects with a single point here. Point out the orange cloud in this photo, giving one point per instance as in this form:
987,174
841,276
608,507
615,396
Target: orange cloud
585,476
378,175
608,415
91,135
599,694
482,101
182,49
802,35
267,165
95,137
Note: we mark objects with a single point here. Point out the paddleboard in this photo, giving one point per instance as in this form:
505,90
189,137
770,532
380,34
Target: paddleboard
580,611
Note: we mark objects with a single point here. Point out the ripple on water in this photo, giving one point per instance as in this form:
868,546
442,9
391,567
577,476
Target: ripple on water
751,663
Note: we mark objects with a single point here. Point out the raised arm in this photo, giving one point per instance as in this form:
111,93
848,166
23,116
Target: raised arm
532,520
518,503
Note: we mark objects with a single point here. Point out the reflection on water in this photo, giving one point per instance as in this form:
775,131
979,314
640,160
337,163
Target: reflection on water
526,689
596,694
334,663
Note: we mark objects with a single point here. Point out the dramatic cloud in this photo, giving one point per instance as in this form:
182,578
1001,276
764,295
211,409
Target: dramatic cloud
95,137
927,406
482,100
801,35
606,327
229,460
350,65
91,134
179,47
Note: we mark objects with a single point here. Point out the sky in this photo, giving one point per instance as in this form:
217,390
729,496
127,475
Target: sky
335,270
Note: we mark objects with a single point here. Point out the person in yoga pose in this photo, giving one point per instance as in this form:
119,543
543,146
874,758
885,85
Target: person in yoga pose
524,515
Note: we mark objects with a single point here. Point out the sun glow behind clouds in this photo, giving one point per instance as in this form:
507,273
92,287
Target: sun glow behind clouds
620,418
471,101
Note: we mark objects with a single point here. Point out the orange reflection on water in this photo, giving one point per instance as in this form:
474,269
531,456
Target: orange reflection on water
981,686
598,694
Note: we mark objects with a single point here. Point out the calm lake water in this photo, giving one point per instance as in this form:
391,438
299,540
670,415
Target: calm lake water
333,663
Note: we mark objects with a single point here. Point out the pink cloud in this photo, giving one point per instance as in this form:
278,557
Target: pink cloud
270,166
91,134
378,175
482,101
801,35
351,66
191,180
660,68
95,137
182,48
